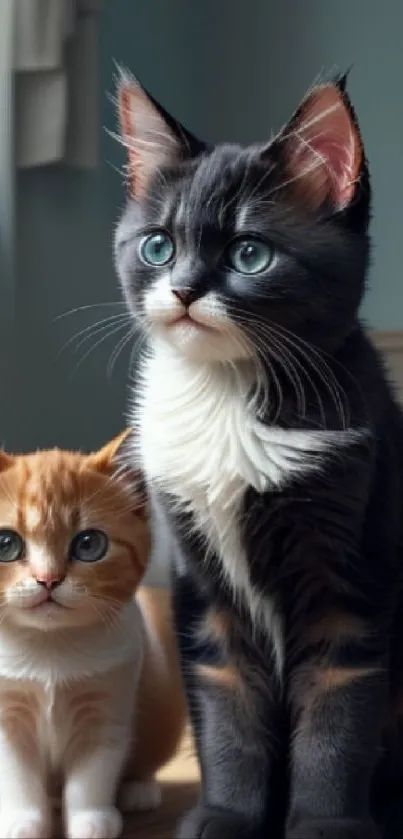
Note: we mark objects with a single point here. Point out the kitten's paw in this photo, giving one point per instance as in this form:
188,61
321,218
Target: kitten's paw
94,824
140,795
211,823
24,824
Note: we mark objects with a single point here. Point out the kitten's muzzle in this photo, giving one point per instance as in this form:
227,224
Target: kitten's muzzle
186,297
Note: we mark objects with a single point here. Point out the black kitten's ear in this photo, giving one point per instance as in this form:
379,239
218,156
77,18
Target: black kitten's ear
322,148
152,137
341,81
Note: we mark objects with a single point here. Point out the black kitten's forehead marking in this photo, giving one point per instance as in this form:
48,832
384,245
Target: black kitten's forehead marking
218,191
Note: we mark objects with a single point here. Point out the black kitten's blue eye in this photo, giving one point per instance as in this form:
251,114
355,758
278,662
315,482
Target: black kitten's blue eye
157,248
249,255
11,546
89,546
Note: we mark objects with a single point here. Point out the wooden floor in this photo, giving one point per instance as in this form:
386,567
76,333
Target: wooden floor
179,790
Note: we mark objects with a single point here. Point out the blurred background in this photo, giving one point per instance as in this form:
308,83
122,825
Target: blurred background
228,69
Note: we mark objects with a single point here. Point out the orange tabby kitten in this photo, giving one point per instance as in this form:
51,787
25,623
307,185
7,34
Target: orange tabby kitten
90,689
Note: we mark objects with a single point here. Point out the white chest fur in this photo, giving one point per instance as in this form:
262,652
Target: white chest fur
58,658
200,440
57,688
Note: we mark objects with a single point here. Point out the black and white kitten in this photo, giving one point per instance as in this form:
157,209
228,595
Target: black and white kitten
273,446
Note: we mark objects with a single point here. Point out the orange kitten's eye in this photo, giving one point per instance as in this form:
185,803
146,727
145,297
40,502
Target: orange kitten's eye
11,546
89,546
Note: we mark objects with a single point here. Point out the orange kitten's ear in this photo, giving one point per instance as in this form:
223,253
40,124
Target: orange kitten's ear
107,459
117,460
6,460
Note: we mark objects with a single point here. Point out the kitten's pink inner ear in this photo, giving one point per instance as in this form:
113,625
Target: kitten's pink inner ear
149,142
127,104
324,149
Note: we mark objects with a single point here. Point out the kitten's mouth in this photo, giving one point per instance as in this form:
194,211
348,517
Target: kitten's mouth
187,320
46,604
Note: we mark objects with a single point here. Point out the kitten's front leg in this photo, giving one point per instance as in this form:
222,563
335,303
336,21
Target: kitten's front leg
235,729
91,786
25,809
337,700
99,716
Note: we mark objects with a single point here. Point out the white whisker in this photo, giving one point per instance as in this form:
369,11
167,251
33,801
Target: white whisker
279,341
89,306
98,343
94,328
121,344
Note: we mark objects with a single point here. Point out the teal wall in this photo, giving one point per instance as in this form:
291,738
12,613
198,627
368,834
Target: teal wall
65,220
229,69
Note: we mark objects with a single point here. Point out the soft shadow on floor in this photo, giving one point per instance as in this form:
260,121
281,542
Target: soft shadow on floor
161,824
179,793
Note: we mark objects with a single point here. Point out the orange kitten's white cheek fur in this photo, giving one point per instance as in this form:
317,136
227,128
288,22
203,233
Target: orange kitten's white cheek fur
211,337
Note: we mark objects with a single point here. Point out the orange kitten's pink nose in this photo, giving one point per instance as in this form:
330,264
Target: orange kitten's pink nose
50,581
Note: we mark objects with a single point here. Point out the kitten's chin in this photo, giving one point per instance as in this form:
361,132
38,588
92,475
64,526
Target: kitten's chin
201,343
51,617
46,616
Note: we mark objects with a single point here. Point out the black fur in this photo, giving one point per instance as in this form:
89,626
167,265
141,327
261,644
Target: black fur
312,752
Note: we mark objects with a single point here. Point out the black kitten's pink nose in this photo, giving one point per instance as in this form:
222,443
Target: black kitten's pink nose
50,582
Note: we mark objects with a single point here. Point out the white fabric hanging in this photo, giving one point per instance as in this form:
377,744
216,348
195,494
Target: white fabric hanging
56,82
